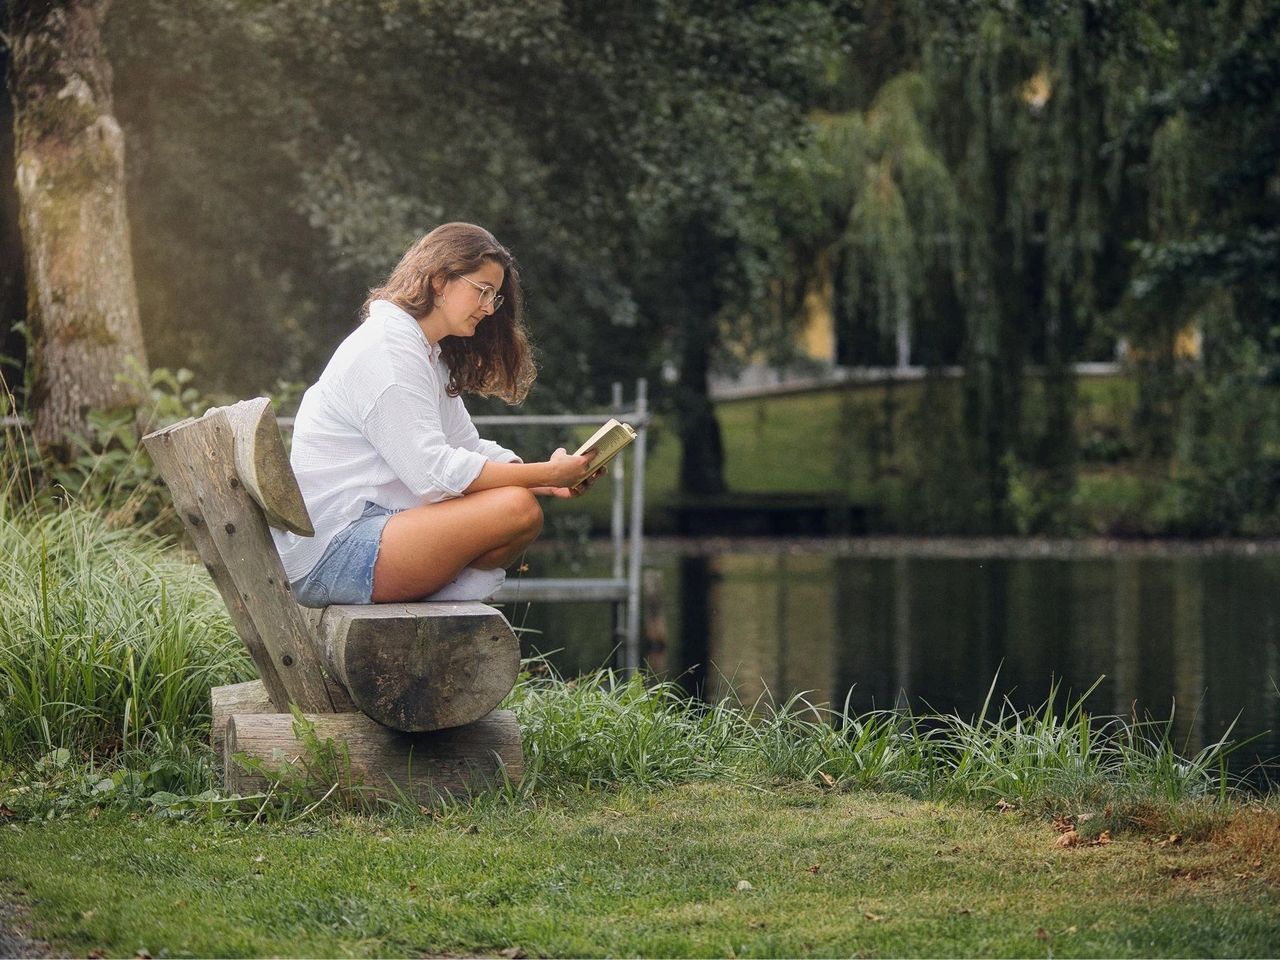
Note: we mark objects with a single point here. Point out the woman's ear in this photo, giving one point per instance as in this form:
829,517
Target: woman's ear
437,283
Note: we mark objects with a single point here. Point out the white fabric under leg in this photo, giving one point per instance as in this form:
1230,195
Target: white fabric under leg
471,584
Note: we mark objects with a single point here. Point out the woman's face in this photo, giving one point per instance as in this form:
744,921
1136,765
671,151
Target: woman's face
465,301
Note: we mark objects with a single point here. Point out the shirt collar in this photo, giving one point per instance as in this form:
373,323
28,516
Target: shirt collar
386,310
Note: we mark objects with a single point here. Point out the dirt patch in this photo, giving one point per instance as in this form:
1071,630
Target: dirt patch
14,941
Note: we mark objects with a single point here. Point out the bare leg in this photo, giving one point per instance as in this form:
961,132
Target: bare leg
424,548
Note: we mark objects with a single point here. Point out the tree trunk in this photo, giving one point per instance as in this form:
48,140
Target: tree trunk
692,303
12,285
82,308
702,450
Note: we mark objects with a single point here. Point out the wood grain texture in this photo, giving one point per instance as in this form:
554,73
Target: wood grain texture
423,766
197,461
224,702
263,466
251,697
161,448
421,666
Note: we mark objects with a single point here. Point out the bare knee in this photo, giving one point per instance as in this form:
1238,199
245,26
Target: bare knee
520,506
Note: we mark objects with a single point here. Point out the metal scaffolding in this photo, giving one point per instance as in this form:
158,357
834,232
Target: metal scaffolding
626,529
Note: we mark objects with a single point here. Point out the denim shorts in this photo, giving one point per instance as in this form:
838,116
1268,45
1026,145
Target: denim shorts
345,571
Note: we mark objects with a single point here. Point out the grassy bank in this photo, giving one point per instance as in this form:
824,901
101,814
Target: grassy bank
892,448
110,641
696,870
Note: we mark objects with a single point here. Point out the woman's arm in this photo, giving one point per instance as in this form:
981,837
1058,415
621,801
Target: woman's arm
562,470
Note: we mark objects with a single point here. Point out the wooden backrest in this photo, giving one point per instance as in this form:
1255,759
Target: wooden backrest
229,478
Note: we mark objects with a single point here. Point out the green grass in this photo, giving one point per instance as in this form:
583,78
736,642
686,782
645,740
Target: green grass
108,637
645,872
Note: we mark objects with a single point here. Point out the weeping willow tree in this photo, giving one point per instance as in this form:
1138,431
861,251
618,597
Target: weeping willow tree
1025,125
967,192
885,208
1205,145
892,198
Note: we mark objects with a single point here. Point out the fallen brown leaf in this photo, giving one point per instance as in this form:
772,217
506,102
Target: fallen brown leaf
1063,824
1068,839
875,917
1042,933
1005,806
6,811
813,869
963,911
827,778
97,953
1101,840
512,953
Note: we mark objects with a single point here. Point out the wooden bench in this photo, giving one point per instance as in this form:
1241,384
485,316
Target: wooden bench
410,689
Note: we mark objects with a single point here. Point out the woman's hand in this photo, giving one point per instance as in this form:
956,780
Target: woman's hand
567,469
566,493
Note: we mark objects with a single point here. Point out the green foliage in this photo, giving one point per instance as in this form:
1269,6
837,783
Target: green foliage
1226,478
599,732
107,639
581,133
109,470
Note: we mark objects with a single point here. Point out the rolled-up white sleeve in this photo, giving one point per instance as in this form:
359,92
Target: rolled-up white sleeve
404,426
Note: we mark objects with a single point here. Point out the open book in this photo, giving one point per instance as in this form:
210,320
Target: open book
607,442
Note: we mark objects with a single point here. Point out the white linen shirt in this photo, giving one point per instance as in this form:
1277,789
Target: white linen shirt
379,425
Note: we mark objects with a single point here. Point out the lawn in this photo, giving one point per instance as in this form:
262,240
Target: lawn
693,870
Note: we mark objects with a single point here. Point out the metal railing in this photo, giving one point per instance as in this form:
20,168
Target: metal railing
623,588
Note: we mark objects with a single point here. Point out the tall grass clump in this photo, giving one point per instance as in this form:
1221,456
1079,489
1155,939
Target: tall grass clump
601,731
108,637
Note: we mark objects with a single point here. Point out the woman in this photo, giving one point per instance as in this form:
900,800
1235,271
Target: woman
407,500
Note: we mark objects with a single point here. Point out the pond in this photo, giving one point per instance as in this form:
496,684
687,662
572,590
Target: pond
1186,633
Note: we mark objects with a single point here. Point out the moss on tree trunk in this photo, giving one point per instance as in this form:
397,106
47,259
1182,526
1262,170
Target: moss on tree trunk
82,308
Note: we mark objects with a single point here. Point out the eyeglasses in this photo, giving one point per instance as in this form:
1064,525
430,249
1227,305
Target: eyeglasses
488,296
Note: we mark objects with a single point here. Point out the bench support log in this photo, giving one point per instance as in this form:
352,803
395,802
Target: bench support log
420,666
251,697
383,762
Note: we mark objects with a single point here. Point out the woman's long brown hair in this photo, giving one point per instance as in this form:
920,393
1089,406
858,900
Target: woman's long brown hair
497,361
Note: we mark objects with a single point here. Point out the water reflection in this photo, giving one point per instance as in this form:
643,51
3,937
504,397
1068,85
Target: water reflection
1193,638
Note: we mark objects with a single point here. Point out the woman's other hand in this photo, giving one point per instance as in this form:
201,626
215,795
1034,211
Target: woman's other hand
566,493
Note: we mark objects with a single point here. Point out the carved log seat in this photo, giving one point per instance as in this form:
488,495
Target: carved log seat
410,688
